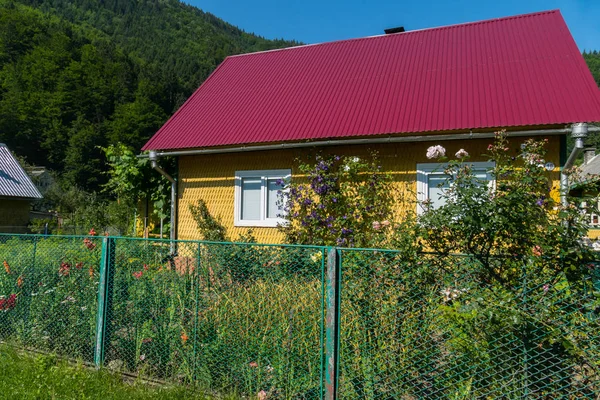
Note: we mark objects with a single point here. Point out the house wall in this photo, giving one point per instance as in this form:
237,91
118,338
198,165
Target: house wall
211,177
13,214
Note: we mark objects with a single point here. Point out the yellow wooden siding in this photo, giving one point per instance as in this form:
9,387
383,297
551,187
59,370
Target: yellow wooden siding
211,177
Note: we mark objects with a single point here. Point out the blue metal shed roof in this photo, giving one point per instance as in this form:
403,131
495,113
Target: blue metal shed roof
14,182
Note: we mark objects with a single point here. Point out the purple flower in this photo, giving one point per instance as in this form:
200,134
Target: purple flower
334,199
540,202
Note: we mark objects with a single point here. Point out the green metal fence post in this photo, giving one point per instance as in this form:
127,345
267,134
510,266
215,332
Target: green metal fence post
525,338
104,303
332,324
196,280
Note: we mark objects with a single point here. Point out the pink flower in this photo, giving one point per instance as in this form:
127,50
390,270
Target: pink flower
376,225
253,364
546,288
436,152
537,251
262,395
138,274
385,223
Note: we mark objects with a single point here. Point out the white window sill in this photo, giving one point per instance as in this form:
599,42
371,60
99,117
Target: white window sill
270,223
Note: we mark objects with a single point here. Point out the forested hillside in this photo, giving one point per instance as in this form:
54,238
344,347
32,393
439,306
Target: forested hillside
593,61
79,75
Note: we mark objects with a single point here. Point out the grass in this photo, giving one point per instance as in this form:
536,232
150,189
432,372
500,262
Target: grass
27,376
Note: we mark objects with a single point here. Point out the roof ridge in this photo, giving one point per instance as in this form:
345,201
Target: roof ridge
459,25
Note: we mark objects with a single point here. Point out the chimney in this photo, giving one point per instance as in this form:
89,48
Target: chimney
389,31
588,154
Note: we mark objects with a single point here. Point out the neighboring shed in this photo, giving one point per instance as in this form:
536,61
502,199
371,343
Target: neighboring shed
17,191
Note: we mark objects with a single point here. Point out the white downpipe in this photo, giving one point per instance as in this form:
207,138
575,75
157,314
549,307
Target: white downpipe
579,132
152,155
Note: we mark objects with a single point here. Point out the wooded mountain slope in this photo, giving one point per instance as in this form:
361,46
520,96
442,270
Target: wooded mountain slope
79,75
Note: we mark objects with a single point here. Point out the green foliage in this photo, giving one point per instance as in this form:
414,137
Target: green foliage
339,205
30,376
517,217
132,179
193,318
77,76
210,227
592,59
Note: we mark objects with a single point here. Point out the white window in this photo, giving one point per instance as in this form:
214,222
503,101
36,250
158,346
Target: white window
256,195
432,181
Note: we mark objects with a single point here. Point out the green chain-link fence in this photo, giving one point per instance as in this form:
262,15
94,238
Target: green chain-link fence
233,318
302,322
430,326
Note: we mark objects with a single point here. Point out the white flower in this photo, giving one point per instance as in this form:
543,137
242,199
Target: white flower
355,159
316,257
346,168
436,152
462,153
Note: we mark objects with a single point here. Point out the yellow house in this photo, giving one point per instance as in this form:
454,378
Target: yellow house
396,94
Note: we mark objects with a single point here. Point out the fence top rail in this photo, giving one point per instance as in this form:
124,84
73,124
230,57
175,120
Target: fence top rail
421,253
166,241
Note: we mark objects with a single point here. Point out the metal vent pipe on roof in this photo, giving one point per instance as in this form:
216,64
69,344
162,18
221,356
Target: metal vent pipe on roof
579,132
153,157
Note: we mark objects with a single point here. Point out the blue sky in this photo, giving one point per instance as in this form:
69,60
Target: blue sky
314,21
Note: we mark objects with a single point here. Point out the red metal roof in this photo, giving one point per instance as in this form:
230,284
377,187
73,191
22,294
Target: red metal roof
515,71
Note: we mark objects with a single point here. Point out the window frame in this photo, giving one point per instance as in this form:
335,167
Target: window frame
426,169
264,175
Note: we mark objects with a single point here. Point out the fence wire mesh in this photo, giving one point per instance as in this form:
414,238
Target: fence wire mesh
49,293
230,318
250,318
458,327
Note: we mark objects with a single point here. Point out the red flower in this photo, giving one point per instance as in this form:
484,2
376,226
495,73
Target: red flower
6,267
138,274
9,302
20,281
184,337
89,244
92,232
64,269
145,267
79,265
